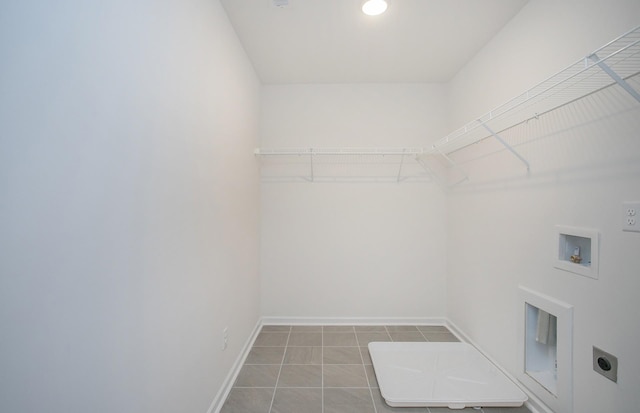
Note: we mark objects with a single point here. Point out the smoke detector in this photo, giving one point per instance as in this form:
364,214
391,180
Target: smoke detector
281,4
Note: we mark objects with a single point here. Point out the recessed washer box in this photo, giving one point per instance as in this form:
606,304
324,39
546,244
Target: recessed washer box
546,348
576,250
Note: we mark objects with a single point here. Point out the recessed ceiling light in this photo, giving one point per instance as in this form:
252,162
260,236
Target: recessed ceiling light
374,7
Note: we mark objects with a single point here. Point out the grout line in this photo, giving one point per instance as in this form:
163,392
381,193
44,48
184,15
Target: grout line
261,364
350,388
299,387
322,369
426,339
275,389
375,409
253,387
329,346
288,387
298,364
317,346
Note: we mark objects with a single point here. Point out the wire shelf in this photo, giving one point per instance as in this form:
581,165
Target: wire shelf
615,62
586,76
342,165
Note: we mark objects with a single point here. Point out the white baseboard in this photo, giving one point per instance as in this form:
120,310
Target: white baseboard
439,321
534,403
227,384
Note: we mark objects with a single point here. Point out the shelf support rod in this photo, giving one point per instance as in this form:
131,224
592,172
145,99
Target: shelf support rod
506,145
401,162
311,162
605,68
434,176
456,167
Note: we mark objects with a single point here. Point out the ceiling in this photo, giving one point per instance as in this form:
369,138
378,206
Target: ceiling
332,41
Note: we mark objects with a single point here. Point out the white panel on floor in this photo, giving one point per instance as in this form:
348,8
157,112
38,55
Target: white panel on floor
453,375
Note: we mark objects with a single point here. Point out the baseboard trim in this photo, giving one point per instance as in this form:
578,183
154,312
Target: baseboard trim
227,384
272,320
534,403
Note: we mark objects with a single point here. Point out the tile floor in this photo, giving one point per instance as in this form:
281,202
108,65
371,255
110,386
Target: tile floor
324,369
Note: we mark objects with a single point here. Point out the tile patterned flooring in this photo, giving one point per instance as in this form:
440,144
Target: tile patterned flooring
323,369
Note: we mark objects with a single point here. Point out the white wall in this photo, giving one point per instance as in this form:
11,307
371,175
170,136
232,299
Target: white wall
585,161
352,249
128,204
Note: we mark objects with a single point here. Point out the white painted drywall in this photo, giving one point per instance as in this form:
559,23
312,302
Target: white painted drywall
352,249
585,161
128,204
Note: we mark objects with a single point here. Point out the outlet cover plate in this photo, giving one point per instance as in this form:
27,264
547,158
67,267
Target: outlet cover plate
631,216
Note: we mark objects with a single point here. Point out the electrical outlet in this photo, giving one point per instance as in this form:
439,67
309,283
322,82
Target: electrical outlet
225,338
631,216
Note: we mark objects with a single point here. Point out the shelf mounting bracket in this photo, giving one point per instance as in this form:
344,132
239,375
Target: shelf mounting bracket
506,145
456,167
434,176
605,68
311,162
400,168
442,180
